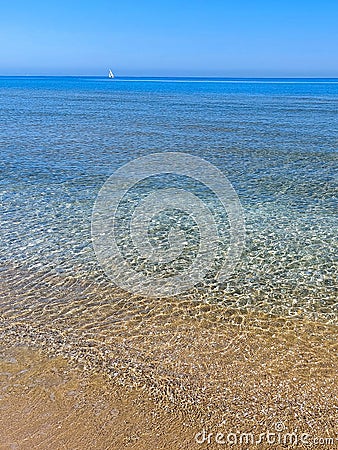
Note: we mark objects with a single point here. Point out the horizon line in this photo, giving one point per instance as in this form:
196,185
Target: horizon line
117,77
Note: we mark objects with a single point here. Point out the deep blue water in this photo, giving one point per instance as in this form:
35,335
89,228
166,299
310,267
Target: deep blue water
275,139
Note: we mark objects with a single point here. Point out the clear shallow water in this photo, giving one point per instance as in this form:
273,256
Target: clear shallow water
211,353
275,140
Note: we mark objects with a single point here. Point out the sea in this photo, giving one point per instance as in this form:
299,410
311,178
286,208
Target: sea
62,138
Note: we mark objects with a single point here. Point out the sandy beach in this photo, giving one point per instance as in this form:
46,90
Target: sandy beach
208,373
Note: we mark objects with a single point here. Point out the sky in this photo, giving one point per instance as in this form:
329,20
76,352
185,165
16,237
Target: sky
170,38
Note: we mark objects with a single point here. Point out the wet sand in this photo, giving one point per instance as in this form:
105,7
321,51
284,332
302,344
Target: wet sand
171,377
47,404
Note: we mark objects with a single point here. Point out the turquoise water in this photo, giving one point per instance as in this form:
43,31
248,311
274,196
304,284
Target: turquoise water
276,141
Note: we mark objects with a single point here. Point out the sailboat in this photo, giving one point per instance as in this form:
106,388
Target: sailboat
110,74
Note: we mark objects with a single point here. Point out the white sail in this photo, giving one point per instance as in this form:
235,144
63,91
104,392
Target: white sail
110,74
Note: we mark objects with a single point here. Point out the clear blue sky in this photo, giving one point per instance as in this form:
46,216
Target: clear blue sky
187,37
